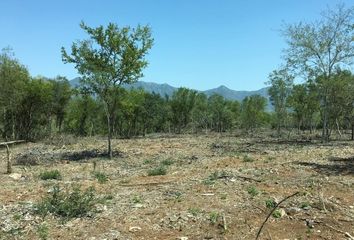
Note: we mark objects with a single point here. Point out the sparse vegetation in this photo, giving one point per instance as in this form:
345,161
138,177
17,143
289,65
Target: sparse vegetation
67,204
53,174
101,177
253,191
214,216
160,170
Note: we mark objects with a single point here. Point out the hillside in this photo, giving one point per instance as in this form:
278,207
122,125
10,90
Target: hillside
165,89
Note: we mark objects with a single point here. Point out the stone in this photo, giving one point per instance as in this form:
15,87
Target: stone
15,176
134,229
292,210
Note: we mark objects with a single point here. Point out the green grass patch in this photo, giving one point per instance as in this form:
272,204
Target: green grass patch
161,170
54,174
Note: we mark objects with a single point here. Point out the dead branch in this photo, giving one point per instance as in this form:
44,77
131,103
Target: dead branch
271,212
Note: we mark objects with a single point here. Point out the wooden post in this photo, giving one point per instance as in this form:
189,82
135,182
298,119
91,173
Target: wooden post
9,164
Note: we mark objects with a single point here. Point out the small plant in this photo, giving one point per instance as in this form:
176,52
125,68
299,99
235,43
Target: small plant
247,158
276,214
42,231
270,203
223,196
137,199
161,170
101,177
17,217
213,217
54,174
147,161
69,204
253,191
194,211
304,205
167,162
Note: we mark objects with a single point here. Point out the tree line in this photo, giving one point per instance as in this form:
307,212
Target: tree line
318,55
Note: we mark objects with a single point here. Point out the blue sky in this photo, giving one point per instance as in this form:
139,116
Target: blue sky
199,44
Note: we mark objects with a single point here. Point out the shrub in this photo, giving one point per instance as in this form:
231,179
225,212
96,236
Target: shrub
270,203
54,174
68,204
276,214
253,191
161,170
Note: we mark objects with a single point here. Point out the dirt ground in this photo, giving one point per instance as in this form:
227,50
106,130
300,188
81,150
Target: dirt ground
216,187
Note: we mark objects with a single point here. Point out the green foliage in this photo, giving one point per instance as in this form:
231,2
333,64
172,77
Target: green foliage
182,103
69,204
247,158
137,199
213,217
270,203
253,112
54,174
276,213
304,205
194,211
160,170
167,162
281,84
111,57
101,177
43,231
253,191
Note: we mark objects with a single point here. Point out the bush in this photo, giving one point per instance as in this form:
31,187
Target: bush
157,171
270,203
68,204
253,191
54,174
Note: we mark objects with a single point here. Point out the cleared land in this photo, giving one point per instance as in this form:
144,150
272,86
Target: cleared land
215,187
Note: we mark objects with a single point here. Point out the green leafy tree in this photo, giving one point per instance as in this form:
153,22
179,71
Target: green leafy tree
281,83
34,110
253,112
13,80
182,103
61,95
318,48
112,56
304,104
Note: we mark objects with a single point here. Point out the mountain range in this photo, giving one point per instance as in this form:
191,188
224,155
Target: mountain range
166,89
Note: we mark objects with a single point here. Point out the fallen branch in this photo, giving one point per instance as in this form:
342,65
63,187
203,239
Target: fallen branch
271,212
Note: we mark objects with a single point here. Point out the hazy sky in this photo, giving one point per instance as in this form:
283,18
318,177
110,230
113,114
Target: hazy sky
199,44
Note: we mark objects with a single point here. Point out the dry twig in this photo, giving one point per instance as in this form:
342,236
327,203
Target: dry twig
260,229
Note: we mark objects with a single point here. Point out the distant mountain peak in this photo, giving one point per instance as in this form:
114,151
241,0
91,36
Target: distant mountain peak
166,89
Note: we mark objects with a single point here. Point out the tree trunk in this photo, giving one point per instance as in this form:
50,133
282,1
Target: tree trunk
110,153
352,131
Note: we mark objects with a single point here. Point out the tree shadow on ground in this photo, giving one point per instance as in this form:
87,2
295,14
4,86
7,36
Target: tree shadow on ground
88,154
336,166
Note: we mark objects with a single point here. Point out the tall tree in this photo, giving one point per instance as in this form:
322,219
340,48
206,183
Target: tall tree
318,48
182,103
13,79
61,95
112,56
253,112
281,83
